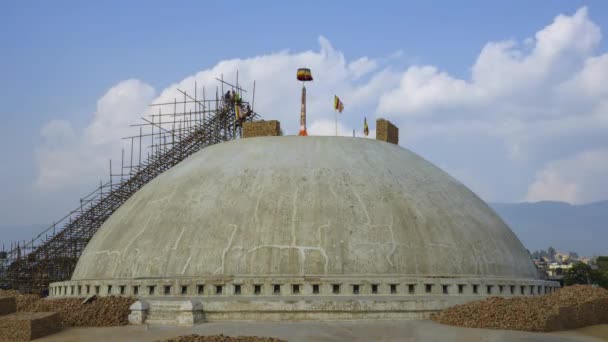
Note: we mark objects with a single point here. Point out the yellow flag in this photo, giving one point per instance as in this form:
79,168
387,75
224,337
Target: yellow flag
338,105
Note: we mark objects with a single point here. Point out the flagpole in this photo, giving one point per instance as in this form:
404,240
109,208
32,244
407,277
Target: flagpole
336,123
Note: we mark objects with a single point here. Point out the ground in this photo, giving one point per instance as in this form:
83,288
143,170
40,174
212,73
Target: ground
421,330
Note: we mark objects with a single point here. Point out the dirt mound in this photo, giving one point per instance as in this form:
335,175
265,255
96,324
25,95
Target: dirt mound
9,293
101,312
221,338
569,308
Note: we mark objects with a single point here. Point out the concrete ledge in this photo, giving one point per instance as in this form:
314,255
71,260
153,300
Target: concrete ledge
188,300
8,305
26,326
294,286
177,311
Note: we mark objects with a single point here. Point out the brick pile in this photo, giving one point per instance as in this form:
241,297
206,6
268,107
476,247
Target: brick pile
100,312
8,305
222,338
386,131
26,326
8,293
271,128
569,308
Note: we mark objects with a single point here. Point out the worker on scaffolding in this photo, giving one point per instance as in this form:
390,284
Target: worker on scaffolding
237,107
227,99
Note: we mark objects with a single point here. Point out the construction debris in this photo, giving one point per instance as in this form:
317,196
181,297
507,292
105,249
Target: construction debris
8,305
222,338
26,326
569,308
100,312
271,128
89,299
386,131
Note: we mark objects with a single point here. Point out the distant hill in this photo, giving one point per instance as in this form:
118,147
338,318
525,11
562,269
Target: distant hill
578,228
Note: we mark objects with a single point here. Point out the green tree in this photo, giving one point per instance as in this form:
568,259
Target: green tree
602,263
602,271
551,251
580,273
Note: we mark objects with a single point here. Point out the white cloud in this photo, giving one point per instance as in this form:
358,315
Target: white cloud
579,179
507,78
362,66
424,89
527,106
84,158
359,84
328,127
68,158
120,107
542,99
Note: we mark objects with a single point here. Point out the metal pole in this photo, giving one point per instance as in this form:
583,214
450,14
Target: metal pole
336,123
253,98
139,162
131,164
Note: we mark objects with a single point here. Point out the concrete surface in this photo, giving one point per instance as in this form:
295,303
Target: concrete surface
295,206
299,213
327,331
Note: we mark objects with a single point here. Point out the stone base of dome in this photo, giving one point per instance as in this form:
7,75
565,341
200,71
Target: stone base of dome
190,300
293,286
180,311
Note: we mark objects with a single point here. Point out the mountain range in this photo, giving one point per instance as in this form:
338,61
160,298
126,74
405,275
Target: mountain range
565,227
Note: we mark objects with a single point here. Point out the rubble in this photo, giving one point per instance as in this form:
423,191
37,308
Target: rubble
27,326
569,308
98,312
261,129
8,305
222,338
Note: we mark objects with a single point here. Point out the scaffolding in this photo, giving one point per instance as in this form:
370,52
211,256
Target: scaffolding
176,130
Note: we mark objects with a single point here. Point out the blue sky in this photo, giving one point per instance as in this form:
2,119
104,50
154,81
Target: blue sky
60,60
65,54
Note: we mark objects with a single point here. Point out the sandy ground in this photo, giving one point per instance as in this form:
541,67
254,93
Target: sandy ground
599,331
422,330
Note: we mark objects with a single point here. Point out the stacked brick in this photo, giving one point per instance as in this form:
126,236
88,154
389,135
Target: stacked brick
26,326
100,312
386,131
569,308
270,128
8,305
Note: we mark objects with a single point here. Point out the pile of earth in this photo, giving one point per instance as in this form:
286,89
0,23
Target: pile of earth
222,338
568,308
98,312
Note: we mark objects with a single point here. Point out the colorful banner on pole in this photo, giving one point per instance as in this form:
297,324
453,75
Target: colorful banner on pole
304,75
338,105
